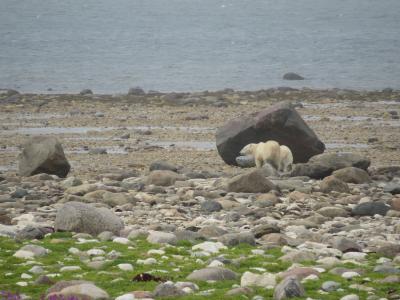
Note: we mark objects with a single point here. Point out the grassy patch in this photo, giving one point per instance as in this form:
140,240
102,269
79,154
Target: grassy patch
176,264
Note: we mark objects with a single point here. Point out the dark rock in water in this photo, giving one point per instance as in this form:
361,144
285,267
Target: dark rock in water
370,209
245,161
280,122
289,288
211,206
98,151
338,161
251,182
292,76
162,165
392,187
43,154
312,170
85,218
86,92
352,175
136,91
331,183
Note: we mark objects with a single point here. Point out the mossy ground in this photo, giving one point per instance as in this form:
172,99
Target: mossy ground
178,265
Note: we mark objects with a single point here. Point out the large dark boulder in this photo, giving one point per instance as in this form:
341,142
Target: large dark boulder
280,122
43,154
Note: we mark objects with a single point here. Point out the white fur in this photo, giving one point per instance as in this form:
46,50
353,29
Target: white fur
286,159
268,152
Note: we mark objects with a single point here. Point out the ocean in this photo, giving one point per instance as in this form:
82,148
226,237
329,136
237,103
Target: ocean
64,46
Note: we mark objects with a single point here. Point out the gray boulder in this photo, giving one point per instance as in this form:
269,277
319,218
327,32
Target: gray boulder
370,209
82,217
338,161
162,165
215,274
352,175
289,288
251,182
280,122
331,183
42,154
312,170
233,239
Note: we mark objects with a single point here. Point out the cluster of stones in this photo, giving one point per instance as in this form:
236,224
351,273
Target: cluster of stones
332,209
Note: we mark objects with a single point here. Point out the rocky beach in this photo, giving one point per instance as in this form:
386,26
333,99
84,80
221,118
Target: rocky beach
131,198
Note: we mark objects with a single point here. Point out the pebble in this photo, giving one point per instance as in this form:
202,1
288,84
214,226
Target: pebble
125,267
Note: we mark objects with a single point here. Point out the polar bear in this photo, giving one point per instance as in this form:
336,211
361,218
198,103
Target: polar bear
285,159
268,152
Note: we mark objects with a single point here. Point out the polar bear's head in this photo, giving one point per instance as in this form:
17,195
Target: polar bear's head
248,149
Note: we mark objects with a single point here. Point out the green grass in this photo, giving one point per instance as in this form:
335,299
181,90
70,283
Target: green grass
117,282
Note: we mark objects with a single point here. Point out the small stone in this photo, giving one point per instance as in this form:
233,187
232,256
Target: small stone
95,252
125,267
370,209
210,247
266,280
214,274
121,240
126,297
36,270
350,275
331,183
211,206
233,239
350,297
159,237
167,289
70,269
330,286
288,288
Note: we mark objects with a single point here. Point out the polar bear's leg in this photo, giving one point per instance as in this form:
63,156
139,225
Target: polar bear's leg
259,162
286,159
